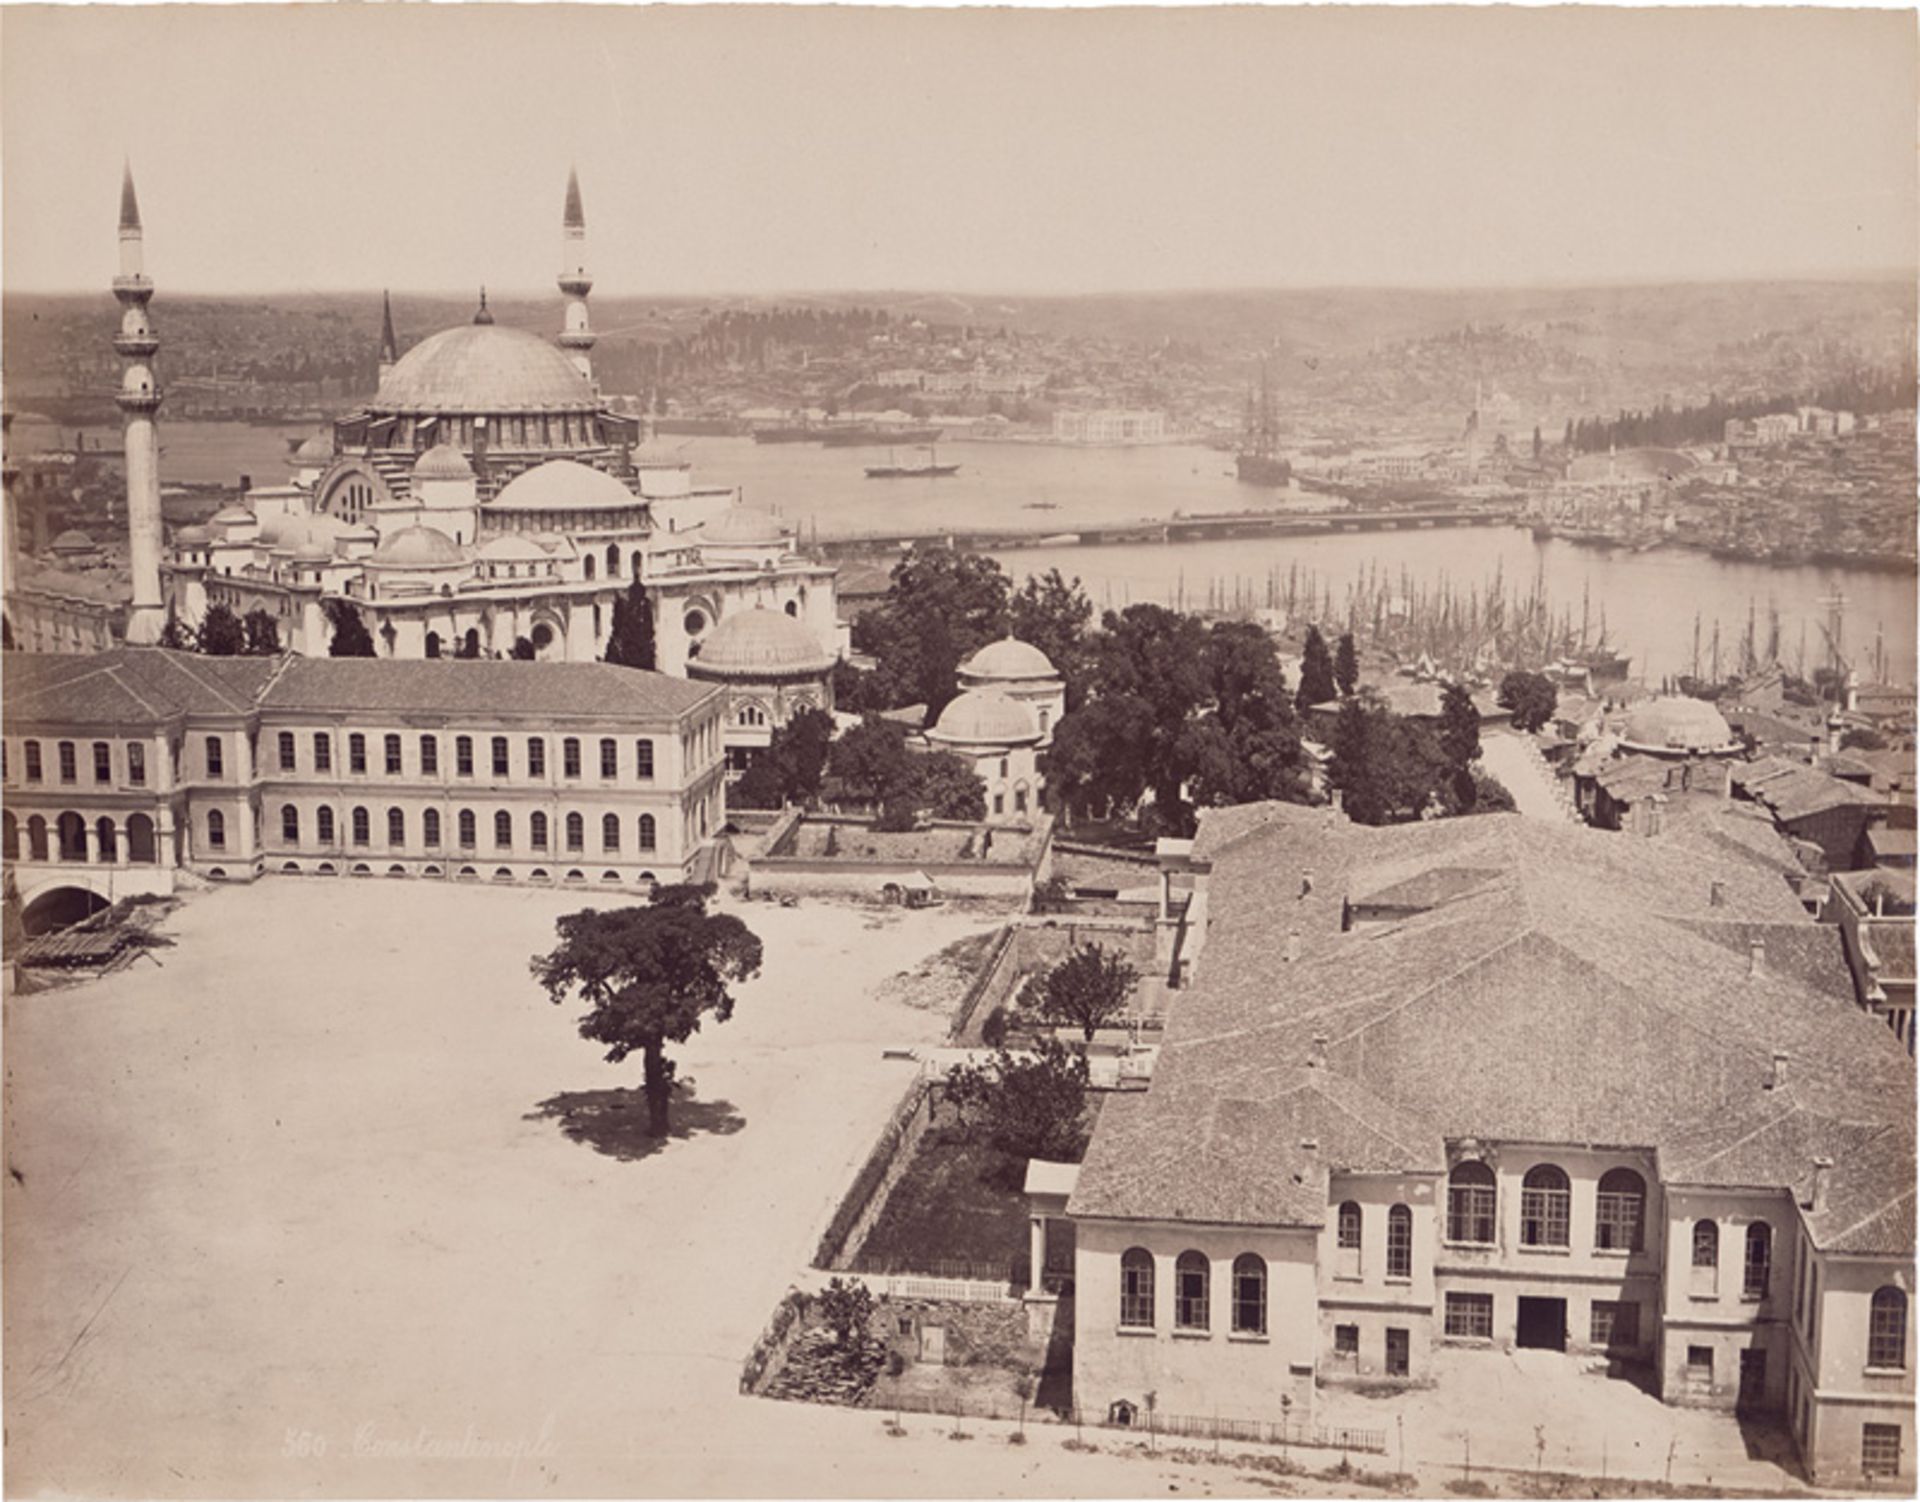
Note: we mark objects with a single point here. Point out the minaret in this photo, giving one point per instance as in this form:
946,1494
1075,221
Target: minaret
10,523
576,338
389,346
139,400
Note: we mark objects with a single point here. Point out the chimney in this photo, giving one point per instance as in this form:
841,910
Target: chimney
1756,957
1317,1057
1716,893
1306,881
1292,951
1817,1196
1777,1069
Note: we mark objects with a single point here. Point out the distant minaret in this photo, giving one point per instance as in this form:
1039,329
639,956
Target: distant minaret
139,400
576,338
10,523
389,346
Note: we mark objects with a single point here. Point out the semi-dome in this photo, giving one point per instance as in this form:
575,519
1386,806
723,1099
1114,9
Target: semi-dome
442,462
417,547
485,368
316,450
513,547
744,526
985,716
231,516
1677,722
1009,660
759,642
563,485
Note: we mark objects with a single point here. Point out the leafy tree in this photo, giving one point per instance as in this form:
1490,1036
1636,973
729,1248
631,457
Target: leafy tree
220,633
1459,726
1490,795
175,636
855,690
1532,698
873,763
1052,614
350,637
263,633
1388,768
941,607
1084,990
846,1308
1030,1105
1317,683
648,976
630,641
1346,665
791,769
524,649
947,787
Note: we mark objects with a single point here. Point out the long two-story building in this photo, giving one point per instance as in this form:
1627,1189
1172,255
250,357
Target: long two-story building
126,767
1491,1082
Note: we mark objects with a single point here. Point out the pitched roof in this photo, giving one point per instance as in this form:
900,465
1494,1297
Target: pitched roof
1506,978
131,686
589,690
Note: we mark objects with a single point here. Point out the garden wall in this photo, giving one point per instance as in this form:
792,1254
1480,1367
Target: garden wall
866,1196
976,1334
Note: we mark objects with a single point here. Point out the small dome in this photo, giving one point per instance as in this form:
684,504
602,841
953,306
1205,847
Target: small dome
563,485
1008,660
192,537
442,462
985,716
313,550
1677,723
73,541
744,526
231,516
756,642
316,450
484,367
417,547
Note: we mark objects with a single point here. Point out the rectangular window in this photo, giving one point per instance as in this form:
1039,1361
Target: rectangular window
1470,1214
1759,1264
69,772
1614,1326
33,761
102,762
1470,1316
429,756
322,751
499,756
536,757
463,755
1136,1291
392,748
1400,1242
1543,1216
357,753
609,759
136,764
1617,1222
643,759
1700,1364
216,765
288,760
1880,1449
1346,1340
1399,1353
570,757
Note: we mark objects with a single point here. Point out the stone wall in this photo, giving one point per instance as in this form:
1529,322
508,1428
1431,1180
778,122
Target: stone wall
973,1334
867,1195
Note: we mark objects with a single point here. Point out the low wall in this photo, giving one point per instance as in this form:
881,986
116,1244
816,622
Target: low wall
975,881
976,1332
866,1196
769,1352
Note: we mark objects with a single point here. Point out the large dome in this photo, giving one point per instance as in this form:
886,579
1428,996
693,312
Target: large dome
1010,661
484,368
1677,723
985,717
563,485
757,643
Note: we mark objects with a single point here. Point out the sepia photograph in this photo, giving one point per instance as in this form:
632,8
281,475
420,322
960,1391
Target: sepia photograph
873,751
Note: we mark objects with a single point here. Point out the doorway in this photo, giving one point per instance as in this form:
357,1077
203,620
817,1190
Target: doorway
1542,1325
1753,1381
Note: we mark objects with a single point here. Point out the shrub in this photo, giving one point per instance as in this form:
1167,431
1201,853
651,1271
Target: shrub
993,1032
896,1363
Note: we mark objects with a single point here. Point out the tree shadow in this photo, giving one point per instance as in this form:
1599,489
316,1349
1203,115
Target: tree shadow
614,1122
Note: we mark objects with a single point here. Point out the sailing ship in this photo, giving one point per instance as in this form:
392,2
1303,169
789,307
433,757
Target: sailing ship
1259,461
931,470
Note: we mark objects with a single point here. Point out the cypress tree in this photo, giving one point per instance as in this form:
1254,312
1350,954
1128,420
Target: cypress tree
630,643
1316,672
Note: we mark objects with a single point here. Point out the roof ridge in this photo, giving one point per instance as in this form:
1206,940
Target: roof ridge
1875,1214
1319,1088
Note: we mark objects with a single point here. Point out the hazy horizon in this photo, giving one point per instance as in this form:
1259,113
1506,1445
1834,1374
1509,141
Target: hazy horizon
762,152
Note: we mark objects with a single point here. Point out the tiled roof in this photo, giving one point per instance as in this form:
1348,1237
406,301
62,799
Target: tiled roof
1796,792
131,686
590,690
1571,986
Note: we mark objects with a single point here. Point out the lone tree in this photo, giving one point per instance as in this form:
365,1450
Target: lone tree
1317,683
630,639
221,634
648,975
1032,1105
1346,665
1459,742
1531,697
1084,990
263,633
846,1308
350,635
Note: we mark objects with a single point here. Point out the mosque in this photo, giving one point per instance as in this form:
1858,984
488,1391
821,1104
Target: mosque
487,501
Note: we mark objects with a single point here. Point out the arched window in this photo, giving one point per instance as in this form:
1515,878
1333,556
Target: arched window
1759,1265
649,835
322,751
288,760
503,830
1399,1242
215,763
570,756
396,827
1471,1204
433,644
1136,1288
290,824
1887,1329
1620,1211
1545,1206
537,830
613,560
1347,1240
643,758
576,832
1706,1257
10,831
609,758
610,832
103,833
1190,1301
430,827
1249,1294
468,837
323,825
588,561
362,827
37,838
216,829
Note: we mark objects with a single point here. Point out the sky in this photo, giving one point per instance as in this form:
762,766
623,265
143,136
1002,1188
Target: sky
750,150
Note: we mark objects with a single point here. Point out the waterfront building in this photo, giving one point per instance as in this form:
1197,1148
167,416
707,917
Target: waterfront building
486,500
125,768
1109,426
1491,1083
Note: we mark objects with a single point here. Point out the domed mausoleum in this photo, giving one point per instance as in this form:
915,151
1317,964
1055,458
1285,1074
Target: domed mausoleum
772,667
1000,736
1023,673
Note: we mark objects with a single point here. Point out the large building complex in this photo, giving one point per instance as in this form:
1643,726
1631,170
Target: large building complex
126,767
1495,1082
